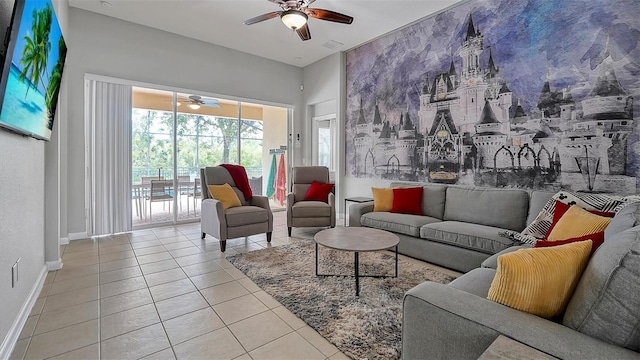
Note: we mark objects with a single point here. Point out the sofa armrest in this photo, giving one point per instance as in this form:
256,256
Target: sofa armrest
492,261
357,210
212,219
263,202
446,323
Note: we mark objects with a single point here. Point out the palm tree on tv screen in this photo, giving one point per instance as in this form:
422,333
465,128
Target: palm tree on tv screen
37,46
51,96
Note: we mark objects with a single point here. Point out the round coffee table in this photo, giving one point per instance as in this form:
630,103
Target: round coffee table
357,239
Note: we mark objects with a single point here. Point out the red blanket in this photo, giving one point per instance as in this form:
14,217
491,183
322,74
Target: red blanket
239,176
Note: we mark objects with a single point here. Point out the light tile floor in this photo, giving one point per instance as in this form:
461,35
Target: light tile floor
164,293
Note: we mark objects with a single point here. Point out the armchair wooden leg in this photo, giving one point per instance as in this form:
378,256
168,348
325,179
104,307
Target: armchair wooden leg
223,245
203,235
269,237
289,231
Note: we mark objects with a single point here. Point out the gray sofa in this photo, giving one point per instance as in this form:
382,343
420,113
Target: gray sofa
602,320
460,226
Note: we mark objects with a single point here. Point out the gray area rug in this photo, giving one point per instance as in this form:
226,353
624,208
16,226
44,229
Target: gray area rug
364,327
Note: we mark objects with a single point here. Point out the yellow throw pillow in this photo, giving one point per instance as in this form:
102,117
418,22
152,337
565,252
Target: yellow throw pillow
577,222
382,199
224,194
540,281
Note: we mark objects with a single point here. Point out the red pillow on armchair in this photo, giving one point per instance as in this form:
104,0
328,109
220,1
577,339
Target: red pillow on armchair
318,191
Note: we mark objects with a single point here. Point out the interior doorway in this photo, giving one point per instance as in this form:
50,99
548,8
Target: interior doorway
324,149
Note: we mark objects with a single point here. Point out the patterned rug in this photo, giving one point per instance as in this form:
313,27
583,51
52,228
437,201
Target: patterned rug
364,327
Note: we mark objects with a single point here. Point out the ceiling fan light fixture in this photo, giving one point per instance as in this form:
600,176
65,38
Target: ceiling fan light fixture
294,19
178,103
194,106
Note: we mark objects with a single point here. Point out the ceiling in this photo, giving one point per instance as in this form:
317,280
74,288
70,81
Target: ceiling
220,22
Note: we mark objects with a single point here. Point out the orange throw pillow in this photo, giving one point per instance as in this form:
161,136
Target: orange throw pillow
539,281
382,199
577,222
562,208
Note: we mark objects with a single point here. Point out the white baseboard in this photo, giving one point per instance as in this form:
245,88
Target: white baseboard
10,340
64,241
77,236
54,265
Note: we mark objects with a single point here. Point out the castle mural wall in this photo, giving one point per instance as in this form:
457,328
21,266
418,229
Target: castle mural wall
504,93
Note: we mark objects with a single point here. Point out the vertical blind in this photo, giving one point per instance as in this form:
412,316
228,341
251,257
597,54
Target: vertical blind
108,143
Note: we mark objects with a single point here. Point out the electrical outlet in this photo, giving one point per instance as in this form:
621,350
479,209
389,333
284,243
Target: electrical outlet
14,273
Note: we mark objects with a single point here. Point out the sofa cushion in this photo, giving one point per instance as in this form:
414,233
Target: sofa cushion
398,223
245,215
626,218
537,200
501,208
539,281
539,227
433,198
476,237
605,304
476,282
310,209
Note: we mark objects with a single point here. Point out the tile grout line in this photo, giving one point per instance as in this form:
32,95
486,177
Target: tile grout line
158,313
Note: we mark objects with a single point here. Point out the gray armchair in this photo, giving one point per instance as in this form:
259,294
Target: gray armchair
309,213
253,217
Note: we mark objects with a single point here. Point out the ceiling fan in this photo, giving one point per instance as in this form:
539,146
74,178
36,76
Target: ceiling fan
295,13
195,102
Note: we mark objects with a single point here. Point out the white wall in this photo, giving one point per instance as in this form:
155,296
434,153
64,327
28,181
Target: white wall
21,221
111,47
324,85
24,196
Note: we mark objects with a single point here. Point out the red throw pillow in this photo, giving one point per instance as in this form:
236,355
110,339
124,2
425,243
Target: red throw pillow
562,208
318,191
597,239
407,201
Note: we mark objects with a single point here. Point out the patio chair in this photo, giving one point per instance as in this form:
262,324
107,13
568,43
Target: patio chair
252,217
160,192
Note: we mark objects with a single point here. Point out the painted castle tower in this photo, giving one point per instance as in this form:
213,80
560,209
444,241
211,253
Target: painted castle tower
467,132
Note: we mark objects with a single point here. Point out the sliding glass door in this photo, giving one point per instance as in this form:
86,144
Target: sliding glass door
176,134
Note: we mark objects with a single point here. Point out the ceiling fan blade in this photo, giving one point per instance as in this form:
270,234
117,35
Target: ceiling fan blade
304,32
279,2
209,102
263,17
329,15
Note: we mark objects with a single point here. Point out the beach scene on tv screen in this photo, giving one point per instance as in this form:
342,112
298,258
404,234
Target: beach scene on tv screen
37,62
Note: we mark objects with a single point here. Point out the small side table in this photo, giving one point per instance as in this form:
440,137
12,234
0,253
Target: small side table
357,199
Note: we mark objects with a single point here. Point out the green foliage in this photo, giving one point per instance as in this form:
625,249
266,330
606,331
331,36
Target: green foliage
201,141
51,96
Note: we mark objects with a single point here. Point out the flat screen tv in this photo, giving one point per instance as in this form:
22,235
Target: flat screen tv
32,70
